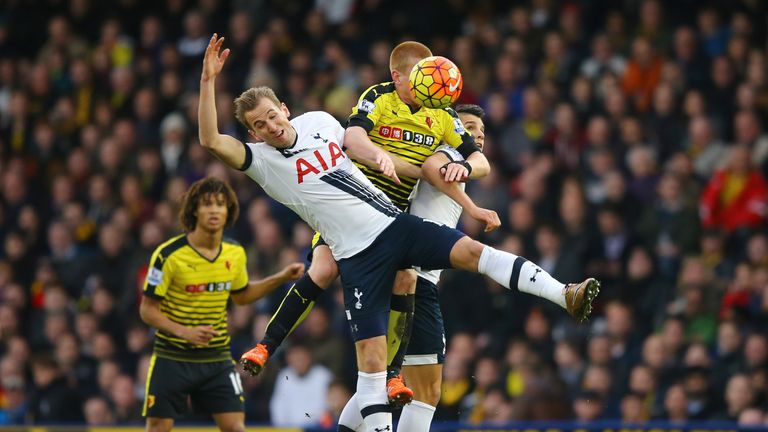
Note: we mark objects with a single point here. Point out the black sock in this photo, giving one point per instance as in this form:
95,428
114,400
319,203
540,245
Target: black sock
400,325
292,311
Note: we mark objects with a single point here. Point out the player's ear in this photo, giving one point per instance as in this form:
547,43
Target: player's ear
395,76
284,107
253,135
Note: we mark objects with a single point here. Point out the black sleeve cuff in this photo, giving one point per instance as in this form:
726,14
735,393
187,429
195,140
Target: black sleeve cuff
468,147
152,295
248,158
241,289
362,121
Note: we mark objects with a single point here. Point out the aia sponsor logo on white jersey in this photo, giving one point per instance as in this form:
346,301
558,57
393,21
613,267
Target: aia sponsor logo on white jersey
316,179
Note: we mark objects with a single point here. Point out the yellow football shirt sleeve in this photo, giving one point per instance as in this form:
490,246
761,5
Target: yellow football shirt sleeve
366,113
240,281
455,135
159,275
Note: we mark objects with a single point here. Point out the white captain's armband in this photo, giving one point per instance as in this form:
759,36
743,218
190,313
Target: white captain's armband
154,277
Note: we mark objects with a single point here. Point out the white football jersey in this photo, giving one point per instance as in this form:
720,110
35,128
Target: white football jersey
429,203
317,180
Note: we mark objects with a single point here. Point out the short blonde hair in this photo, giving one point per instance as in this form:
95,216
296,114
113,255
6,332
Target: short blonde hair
407,54
249,99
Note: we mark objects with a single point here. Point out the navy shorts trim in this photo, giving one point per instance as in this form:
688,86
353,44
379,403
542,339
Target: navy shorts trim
427,343
367,277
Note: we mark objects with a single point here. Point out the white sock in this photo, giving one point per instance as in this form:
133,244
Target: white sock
500,266
350,416
372,400
416,417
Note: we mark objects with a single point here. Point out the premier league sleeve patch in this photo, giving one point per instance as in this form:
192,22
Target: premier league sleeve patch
458,126
366,105
154,277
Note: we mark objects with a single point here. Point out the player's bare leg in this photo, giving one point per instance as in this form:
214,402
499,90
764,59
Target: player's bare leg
230,421
398,336
513,271
296,305
157,424
425,380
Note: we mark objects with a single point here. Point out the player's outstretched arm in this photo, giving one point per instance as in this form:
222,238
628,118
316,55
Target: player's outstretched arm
150,313
228,149
360,147
431,173
262,287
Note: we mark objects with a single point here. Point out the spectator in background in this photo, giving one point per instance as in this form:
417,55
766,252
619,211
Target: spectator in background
751,418
664,127
688,57
98,412
748,132
517,147
79,370
565,139
15,406
698,392
602,60
327,348
52,399
173,131
643,74
633,409
127,407
552,256
588,406
301,377
736,196
676,405
739,396
705,150
669,227
337,398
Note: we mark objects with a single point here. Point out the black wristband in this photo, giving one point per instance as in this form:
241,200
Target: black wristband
463,163
468,167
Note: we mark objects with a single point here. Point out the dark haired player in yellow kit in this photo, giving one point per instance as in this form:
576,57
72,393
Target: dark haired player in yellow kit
191,278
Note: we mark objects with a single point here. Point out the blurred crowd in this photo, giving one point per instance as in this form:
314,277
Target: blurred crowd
628,140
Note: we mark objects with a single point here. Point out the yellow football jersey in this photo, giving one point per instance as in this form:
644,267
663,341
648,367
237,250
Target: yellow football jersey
411,135
192,291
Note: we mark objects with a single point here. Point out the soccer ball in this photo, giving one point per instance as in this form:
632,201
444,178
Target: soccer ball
435,82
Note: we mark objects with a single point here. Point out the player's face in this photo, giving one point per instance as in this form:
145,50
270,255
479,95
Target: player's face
269,123
212,212
475,126
401,85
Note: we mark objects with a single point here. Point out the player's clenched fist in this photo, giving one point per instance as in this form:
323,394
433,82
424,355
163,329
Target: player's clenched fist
489,217
214,58
292,271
